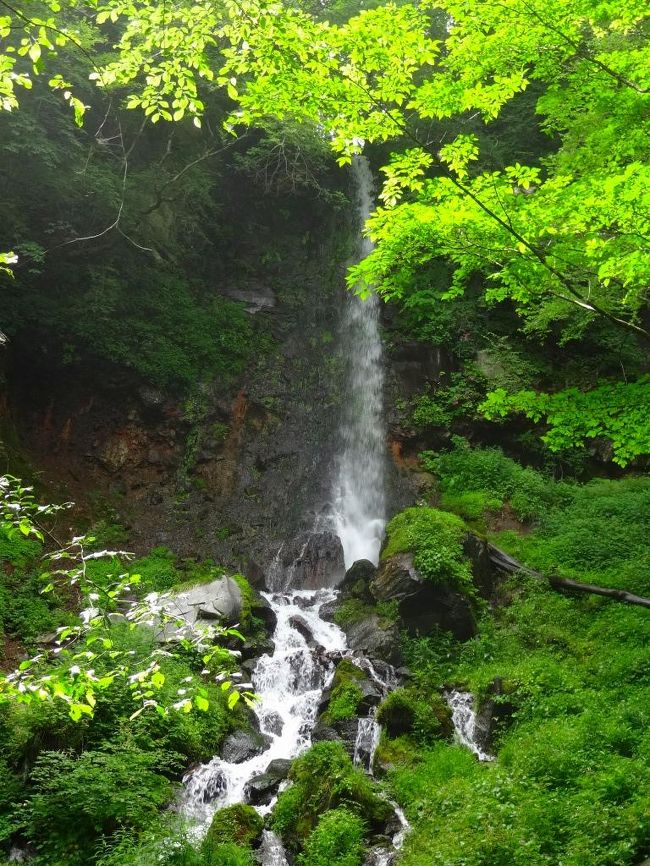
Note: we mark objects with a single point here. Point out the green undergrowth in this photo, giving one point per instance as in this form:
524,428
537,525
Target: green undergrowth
325,779
74,785
25,613
571,783
336,841
596,532
95,791
353,610
476,481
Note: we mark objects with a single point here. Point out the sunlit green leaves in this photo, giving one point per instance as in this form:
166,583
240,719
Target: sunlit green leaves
67,669
616,412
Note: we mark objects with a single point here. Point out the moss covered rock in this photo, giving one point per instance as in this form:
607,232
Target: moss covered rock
325,778
239,823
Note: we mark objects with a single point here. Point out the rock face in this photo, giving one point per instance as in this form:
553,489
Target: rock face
371,637
310,561
422,605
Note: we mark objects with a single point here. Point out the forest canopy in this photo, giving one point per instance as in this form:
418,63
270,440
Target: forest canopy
512,138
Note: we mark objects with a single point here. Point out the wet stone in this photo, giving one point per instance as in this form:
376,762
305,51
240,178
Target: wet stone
241,746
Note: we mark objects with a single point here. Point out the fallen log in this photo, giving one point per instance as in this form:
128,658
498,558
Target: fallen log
504,562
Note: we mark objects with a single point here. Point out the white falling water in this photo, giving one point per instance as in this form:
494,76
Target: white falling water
271,851
365,746
359,506
463,719
289,684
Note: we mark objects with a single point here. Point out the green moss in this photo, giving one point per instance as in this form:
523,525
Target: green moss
17,550
24,611
435,540
247,598
351,611
346,694
396,713
343,703
238,823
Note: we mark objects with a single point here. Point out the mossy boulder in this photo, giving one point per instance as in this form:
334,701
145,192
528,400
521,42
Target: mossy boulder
435,540
239,823
352,692
357,580
404,711
325,778
425,571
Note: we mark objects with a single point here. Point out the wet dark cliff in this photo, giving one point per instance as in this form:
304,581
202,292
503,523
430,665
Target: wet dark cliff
233,466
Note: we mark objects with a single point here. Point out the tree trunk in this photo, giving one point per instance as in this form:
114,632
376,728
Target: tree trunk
504,562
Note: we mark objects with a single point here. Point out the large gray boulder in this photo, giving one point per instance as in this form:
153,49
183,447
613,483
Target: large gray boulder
375,639
422,604
243,745
218,600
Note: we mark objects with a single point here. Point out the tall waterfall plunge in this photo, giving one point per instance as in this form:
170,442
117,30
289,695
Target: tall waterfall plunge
290,680
359,498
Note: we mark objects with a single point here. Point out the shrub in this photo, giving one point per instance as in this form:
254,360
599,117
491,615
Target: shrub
77,799
325,778
336,841
435,539
483,478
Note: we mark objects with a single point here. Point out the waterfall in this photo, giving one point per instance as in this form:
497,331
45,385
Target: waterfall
359,507
463,719
289,682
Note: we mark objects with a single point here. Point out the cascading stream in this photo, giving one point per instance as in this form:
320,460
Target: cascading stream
289,684
359,497
463,719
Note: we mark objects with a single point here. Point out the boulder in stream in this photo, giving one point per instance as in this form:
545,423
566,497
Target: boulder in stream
243,745
261,789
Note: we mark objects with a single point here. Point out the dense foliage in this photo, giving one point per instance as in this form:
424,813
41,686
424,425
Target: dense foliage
571,781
